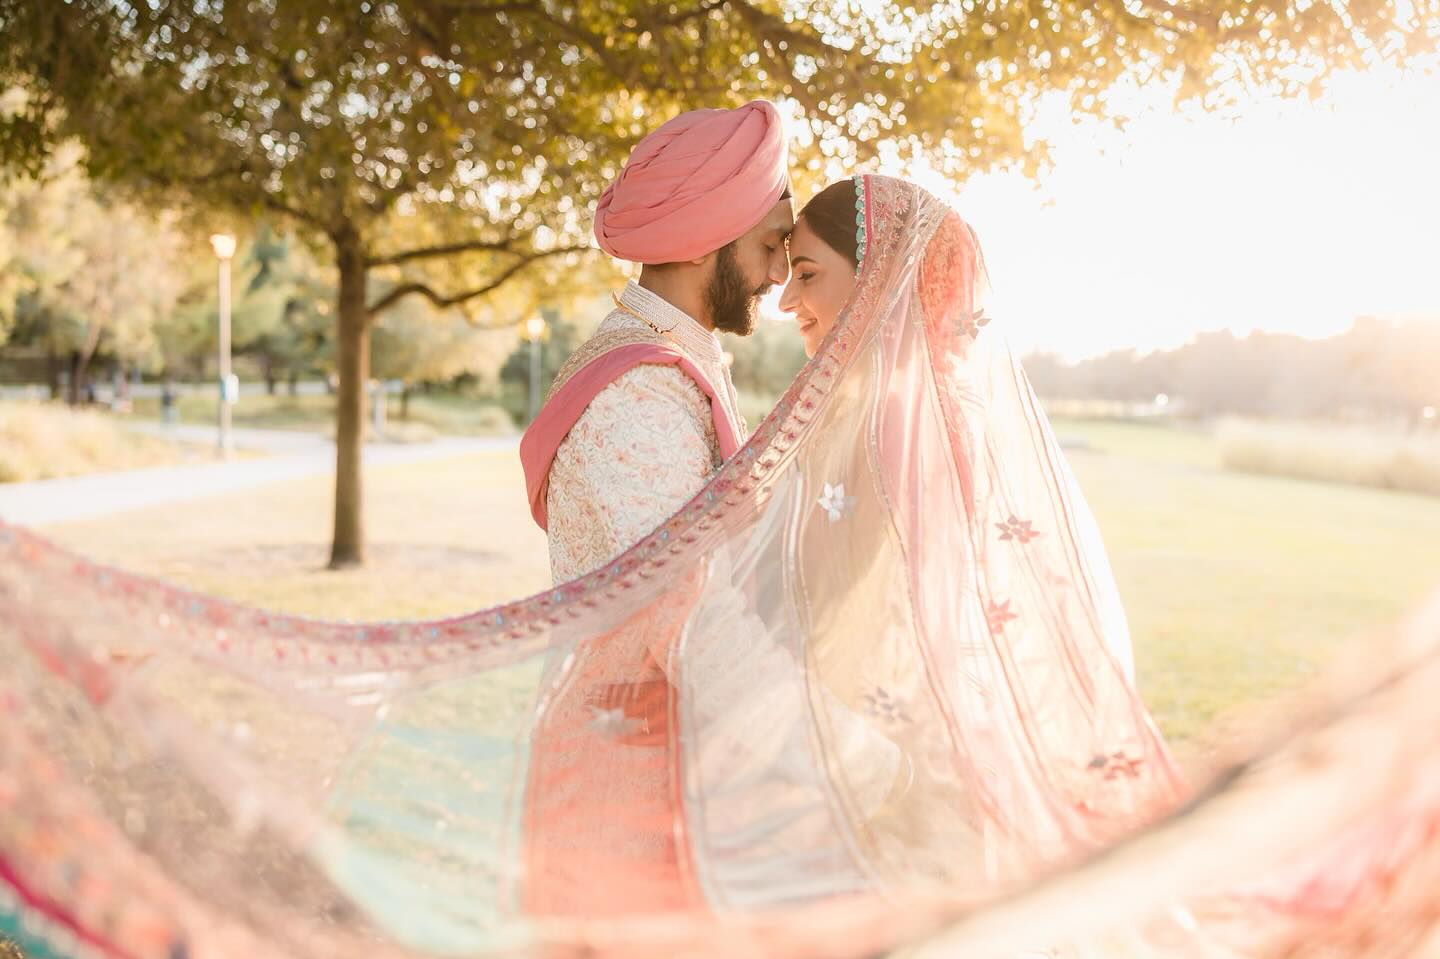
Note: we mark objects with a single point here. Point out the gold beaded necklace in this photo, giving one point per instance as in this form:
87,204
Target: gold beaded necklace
643,319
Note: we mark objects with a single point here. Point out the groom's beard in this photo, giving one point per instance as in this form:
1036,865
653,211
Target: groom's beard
730,297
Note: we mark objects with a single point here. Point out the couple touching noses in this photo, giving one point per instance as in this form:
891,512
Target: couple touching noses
643,413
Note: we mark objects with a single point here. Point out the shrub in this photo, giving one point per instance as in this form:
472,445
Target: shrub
1334,454
43,440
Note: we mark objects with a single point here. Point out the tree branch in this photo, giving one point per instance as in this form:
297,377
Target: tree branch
268,200
444,302
1184,15
768,27
212,175
478,6
1149,22
676,19
427,252
279,206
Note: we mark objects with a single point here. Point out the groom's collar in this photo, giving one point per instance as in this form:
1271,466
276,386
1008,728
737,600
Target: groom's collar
665,317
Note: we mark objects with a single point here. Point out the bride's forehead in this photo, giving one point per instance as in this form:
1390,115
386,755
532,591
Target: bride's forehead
804,241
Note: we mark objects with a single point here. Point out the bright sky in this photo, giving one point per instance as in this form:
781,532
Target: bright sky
1289,216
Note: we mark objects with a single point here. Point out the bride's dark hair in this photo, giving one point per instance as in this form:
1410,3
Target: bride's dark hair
831,214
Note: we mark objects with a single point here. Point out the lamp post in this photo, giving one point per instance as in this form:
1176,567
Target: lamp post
224,246
534,330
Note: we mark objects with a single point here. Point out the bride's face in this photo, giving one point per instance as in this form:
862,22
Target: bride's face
821,280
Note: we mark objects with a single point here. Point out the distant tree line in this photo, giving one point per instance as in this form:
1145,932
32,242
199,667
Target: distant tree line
1381,368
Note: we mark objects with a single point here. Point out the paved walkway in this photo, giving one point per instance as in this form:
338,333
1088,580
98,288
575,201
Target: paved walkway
244,438
297,455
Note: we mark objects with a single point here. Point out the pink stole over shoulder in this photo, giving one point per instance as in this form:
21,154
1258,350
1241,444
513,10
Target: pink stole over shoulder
565,404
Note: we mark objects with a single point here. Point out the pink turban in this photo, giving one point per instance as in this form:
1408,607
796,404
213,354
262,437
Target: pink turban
694,185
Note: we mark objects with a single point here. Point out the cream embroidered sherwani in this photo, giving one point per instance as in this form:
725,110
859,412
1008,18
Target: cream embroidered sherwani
644,445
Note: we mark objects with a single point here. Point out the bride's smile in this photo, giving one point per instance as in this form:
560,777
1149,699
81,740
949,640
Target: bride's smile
823,255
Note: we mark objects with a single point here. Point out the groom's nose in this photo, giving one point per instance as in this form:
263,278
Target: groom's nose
779,267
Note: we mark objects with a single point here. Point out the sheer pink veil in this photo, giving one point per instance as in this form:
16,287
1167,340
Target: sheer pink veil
876,672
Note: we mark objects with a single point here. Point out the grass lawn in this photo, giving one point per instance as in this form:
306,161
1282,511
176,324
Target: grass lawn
432,414
445,536
1239,587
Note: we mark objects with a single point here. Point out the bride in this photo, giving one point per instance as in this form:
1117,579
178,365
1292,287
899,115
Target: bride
893,650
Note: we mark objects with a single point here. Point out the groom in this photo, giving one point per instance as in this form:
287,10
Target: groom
644,411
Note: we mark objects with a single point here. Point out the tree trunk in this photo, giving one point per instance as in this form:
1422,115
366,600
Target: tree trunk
353,366
405,401
52,372
74,392
269,363
80,362
294,383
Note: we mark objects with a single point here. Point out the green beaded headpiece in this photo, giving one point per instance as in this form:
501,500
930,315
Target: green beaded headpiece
859,223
